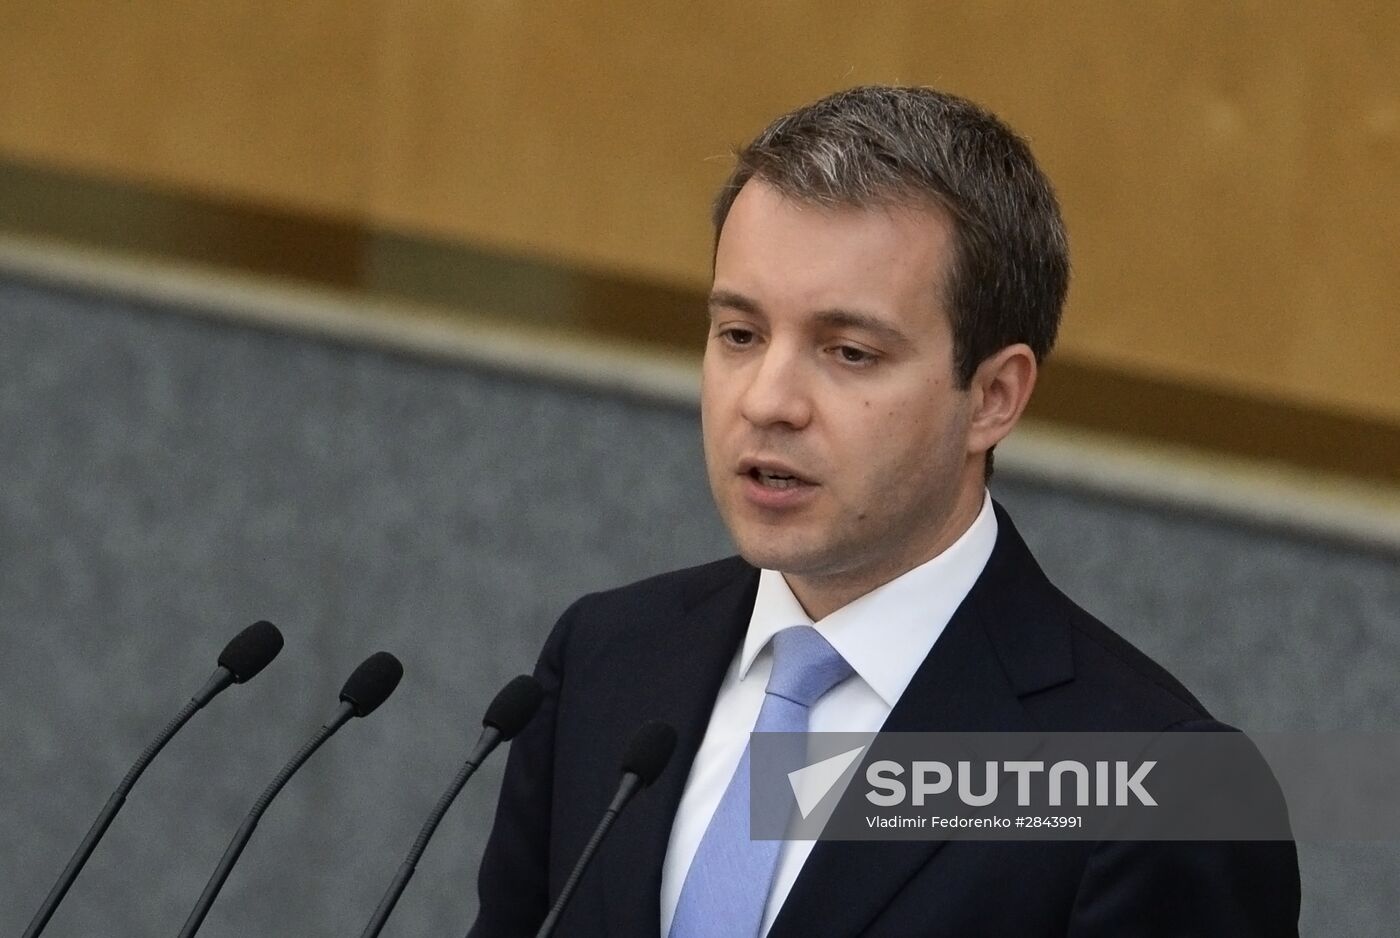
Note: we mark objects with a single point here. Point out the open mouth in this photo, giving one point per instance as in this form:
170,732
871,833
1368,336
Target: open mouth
775,480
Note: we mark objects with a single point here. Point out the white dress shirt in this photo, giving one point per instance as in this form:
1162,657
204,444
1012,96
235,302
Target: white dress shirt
884,635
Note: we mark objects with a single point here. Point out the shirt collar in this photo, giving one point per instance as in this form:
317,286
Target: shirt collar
885,634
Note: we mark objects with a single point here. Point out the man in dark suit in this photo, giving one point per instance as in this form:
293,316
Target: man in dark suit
890,267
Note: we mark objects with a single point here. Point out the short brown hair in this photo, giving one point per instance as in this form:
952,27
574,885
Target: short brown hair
878,145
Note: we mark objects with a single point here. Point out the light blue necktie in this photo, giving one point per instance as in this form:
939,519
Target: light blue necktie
726,889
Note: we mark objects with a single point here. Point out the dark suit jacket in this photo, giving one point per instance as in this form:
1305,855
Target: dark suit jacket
1016,656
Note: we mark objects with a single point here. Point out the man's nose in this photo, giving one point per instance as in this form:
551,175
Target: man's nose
778,392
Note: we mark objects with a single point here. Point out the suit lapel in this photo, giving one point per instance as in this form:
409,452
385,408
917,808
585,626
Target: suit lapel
1006,640
679,684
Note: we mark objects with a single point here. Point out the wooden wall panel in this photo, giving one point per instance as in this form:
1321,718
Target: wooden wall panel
600,135
259,100
1231,172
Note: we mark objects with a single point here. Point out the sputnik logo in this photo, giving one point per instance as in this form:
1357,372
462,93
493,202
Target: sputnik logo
812,783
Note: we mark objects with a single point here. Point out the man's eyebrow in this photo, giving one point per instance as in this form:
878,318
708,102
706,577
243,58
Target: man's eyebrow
727,299
854,319
837,317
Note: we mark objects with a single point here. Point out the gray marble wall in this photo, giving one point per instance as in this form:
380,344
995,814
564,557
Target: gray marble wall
166,480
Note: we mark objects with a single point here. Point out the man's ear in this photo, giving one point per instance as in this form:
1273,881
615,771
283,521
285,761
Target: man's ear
1001,387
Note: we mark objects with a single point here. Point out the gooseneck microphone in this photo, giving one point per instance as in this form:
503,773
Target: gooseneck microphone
646,757
508,714
368,687
247,654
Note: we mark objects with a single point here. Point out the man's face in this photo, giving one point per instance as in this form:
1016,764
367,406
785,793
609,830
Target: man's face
835,434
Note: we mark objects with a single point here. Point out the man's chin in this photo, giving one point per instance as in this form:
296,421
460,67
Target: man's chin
794,546
791,559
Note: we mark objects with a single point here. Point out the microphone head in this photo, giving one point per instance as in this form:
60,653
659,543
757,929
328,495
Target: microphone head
514,706
649,751
251,650
372,683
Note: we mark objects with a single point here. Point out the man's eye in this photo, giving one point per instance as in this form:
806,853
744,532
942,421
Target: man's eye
852,355
737,336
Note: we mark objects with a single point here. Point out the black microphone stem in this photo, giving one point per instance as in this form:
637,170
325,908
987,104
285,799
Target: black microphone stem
218,682
245,832
631,782
490,738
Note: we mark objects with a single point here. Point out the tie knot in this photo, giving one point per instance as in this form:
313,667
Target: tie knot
805,666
